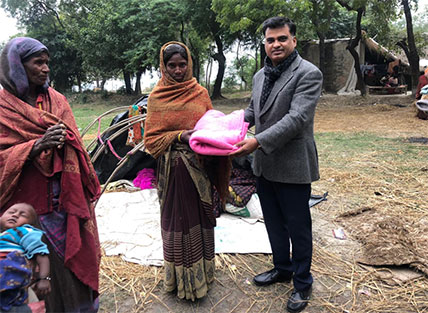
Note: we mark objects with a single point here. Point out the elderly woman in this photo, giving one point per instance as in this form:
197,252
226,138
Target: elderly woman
43,162
185,191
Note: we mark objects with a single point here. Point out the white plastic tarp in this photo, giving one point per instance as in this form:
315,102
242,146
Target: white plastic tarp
129,225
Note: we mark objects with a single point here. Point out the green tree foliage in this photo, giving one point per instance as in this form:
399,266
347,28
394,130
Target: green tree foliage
102,39
96,35
149,24
399,33
409,45
342,24
66,63
42,21
320,13
29,13
204,20
244,69
246,17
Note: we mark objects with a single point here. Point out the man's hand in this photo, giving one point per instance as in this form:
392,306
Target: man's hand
246,146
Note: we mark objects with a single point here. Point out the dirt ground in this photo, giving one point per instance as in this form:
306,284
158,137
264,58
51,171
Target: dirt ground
340,283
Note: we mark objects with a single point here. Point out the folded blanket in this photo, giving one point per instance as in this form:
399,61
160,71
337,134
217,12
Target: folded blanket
217,133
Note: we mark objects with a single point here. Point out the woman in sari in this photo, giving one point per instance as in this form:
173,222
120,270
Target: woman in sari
184,186
43,163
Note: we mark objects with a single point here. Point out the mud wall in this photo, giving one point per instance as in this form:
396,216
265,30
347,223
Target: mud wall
338,61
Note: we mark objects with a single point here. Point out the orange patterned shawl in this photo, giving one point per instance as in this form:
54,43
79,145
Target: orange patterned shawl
20,126
173,107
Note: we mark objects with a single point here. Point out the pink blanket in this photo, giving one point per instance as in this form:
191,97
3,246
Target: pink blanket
217,133
145,179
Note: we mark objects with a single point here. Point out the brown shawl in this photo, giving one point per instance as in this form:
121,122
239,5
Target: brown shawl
20,126
173,107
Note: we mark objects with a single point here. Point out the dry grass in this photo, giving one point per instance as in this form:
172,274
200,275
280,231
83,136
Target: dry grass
366,162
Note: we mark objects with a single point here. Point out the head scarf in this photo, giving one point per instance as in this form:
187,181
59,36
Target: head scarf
13,77
166,78
173,106
172,49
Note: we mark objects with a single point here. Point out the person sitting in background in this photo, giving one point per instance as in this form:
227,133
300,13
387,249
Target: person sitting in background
389,81
385,79
394,66
19,242
393,81
423,81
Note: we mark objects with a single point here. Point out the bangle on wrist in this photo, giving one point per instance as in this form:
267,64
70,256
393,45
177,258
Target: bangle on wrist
179,136
44,278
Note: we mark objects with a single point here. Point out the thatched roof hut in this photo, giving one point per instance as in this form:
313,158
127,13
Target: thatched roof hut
340,64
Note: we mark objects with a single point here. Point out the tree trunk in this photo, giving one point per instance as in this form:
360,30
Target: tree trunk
262,55
321,48
61,84
221,59
208,75
315,18
196,58
241,68
196,67
256,64
361,86
127,79
79,83
413,55
103,82
138,83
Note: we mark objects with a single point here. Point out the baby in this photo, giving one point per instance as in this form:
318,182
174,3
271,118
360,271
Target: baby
19,242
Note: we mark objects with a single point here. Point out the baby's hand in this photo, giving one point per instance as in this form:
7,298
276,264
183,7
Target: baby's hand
43,287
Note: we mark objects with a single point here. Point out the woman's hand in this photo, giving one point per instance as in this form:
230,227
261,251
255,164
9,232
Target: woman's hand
43,287
53,137
185,136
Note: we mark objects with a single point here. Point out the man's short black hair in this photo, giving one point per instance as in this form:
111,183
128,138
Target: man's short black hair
277,22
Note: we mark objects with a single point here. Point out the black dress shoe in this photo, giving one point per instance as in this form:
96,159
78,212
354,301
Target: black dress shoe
298,300
272,276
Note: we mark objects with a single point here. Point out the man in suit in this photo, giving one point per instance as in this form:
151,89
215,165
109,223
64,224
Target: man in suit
282,108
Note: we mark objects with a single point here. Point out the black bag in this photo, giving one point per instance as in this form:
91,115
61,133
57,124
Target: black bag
106,163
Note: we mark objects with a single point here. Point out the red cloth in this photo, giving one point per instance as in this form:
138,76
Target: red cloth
37,307
423,80
21,180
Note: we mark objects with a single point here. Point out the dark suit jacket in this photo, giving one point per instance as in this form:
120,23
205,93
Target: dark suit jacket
285,125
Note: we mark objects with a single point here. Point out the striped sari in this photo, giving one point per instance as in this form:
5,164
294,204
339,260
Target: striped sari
187,223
